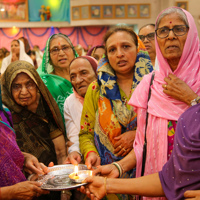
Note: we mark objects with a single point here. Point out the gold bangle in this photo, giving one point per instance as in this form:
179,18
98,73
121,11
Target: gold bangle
105,179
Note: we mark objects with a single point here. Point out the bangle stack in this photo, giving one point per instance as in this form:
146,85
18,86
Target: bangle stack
120,169
105,179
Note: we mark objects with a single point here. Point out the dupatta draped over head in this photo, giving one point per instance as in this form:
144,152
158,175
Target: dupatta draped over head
22,56
34,131
59,87
161,107
114,117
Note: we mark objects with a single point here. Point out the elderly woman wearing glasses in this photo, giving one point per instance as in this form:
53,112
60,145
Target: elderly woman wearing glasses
147,35
54,71
177,51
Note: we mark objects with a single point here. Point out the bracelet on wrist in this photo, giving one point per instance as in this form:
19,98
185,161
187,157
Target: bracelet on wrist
118,167
91,152
195,101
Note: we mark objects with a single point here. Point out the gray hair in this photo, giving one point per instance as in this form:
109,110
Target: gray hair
171,10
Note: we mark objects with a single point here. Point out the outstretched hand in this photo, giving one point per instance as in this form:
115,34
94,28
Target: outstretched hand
32,165
92,160
96,188
109,171
73,158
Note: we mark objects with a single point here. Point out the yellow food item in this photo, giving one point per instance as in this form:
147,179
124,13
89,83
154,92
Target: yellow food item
76,177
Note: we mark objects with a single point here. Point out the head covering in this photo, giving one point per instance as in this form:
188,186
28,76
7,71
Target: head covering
91,60
93,49
161,107
24,67
22,56
181,172
187,70
47,67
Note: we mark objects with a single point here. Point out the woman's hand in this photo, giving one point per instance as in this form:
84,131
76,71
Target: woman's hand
32,165
92,160
74,158
96,187
178,89
109,171
124,143
192,195
23,191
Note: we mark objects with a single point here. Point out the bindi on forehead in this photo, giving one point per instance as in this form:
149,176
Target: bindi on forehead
170,22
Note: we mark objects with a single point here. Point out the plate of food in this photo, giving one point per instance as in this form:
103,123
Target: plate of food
58,178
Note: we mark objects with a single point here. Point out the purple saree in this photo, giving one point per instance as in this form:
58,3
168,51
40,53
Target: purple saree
182,171
11,158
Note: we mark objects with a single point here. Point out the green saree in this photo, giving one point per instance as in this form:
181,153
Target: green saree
60,88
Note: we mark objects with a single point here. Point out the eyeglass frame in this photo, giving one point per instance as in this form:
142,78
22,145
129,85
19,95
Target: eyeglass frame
64,51
171,29
146,36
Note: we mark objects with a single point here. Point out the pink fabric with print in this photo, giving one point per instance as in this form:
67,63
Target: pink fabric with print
162,107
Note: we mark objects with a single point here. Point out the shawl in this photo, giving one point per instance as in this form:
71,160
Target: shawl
181,172
59,87
11,158
22,56
113,116
162,107
31,126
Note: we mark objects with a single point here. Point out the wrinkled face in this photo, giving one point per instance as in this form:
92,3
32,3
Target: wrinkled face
62,59
81,75
99,52
24,90
172,46
121,52
15,48
149,44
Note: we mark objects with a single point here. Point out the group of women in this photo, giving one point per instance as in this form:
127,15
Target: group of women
106,113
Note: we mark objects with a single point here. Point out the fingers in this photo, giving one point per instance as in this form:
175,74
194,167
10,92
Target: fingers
88,180
88,163
192,193
97,171
118,137
67,161
44,168
51,164
82,190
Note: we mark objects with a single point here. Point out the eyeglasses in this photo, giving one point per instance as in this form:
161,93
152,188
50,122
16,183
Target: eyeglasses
178,30
149,36
55,51
18,87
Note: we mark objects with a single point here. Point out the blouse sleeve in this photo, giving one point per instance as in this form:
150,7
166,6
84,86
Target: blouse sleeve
86,135
71,129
